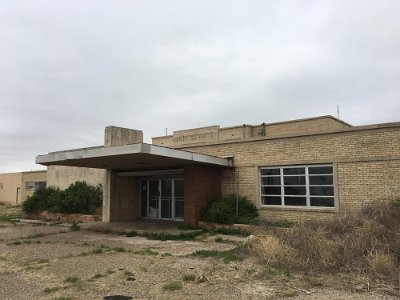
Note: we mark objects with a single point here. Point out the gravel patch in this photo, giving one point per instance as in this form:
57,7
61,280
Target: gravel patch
14,286
20,231
31,252
126,266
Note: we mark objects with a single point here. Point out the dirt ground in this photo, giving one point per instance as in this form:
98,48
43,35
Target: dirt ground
42,261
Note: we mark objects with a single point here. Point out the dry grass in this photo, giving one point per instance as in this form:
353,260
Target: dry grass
381,263
367,242
271,249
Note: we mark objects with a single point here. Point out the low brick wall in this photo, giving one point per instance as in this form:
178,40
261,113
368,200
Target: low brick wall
69,217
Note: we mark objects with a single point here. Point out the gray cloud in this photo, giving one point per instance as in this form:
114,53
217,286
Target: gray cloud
70,68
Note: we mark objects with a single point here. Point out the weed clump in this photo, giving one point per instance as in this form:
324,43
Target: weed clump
365,242
227,256
75,226
172,286
8,219
189,277
72,279
165,236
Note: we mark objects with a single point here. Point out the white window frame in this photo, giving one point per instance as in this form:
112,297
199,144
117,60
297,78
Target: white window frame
307,186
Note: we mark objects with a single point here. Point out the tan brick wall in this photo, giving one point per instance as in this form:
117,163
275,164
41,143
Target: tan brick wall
321,125
215,134
363,182
366,164
365,144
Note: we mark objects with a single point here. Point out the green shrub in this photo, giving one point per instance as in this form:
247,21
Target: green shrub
223,210
42,199
82,198
79,197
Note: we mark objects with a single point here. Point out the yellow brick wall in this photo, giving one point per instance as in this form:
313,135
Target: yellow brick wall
366,165
215,134
323,124
362,182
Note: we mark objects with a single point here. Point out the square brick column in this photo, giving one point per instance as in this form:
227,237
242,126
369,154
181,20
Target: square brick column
201,183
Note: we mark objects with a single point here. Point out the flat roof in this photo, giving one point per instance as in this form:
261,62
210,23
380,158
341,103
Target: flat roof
129,157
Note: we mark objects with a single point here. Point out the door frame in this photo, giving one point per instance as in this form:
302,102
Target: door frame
173,199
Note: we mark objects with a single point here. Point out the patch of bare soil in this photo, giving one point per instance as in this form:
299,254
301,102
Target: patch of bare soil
11,210
87,265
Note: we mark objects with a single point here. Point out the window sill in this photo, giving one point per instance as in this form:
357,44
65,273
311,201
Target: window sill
296,208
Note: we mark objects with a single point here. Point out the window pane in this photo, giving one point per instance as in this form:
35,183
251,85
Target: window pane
178,188
321,190
143,203
321,180
294,180
295,190
179,209
296,201
325,202
268,200
320,170
153,188
293,171
271,190
270,180
166,189
270,171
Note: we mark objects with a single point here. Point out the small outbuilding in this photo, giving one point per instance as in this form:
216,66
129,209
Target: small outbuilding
16,187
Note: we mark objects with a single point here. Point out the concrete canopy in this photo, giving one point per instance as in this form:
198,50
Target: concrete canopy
139,156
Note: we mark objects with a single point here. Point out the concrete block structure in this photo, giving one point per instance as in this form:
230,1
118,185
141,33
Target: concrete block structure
16,187
294,170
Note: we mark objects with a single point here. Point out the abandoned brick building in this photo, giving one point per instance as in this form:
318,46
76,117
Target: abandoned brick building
294,170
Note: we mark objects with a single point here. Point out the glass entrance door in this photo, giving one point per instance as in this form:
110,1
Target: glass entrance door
153,199
162,199
178,199
166,199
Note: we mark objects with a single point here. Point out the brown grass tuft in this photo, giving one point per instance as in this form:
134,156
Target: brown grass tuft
381,263
270,249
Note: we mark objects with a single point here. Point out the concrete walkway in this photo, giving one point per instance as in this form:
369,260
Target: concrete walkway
139,225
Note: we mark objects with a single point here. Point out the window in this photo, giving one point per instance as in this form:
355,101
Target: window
302,186
34,185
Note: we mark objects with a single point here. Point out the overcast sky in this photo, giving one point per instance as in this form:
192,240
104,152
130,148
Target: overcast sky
69,68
